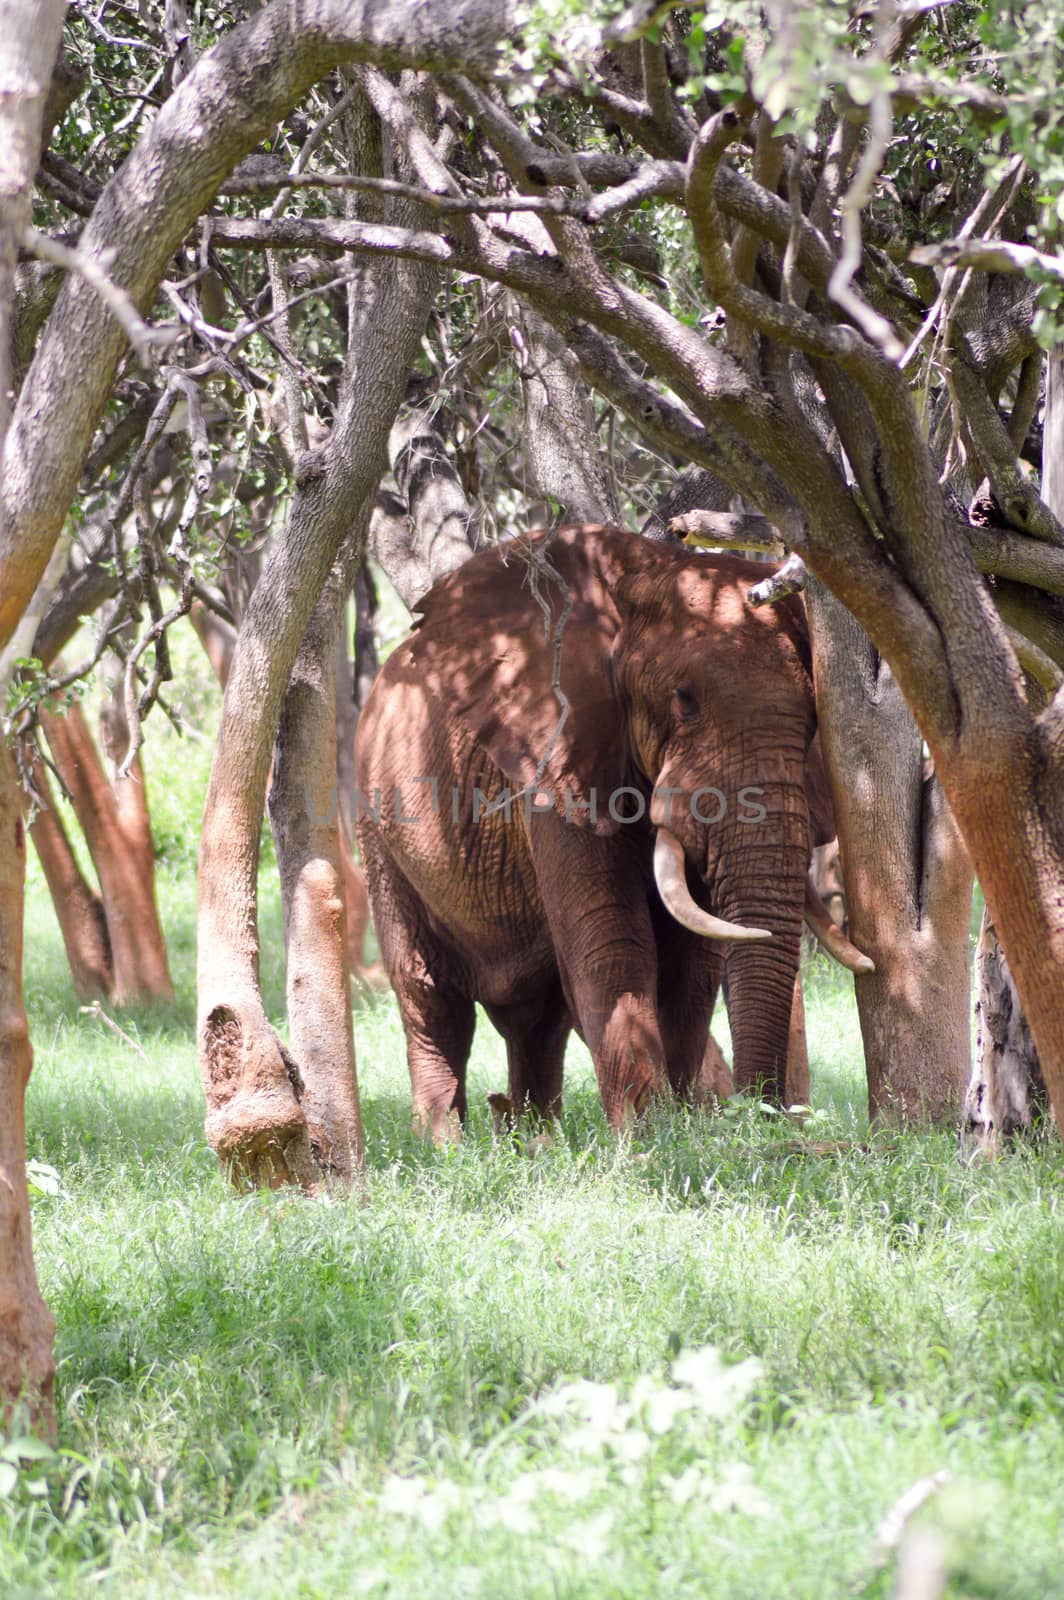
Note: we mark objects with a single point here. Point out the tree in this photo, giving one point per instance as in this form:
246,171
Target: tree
870,361
26,1328
874,522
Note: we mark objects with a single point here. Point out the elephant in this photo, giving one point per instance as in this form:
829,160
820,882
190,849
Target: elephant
580,781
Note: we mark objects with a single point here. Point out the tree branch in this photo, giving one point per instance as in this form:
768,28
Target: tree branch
1014,492
230,101
140,335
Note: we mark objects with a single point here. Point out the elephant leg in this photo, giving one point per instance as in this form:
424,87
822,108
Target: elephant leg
594,893
437,1012
689,975
439,1023
535,1035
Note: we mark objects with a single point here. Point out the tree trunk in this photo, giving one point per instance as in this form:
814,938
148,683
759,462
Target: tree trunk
31,33
439,528
1007,1091
134,826
348,703
565,460
347,709
118,835
78,908
255,1120
26,1328
217,637
907,876
1016,832
306,828
796,1077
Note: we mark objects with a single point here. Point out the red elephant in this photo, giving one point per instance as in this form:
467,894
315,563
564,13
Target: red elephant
581,780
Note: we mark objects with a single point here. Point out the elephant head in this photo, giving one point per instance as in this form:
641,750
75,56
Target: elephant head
624,679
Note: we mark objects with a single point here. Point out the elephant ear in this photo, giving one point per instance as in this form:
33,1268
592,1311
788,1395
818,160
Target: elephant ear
490,636
822,824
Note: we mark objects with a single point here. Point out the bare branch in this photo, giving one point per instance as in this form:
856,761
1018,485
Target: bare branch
840,288
341,234
736,530
990,255
1012,489
197,428
140,335
650,180
482,204
1017,557
675,127
1036,661
787,580
788,323
672,428
996,201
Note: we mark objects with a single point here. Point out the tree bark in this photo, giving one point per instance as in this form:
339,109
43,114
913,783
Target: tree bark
134,826
907,877
118,835
26,1327
436,534
218,639
79,909
565,460
1006,1091
306,827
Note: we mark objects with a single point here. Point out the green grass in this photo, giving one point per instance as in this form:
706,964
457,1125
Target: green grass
260,1395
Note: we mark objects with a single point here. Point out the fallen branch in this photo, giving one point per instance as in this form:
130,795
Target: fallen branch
96,1010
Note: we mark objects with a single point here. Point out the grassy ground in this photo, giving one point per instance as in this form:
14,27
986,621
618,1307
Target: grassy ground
497,1377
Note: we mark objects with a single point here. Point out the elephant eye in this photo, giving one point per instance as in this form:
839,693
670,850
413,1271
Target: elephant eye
686,699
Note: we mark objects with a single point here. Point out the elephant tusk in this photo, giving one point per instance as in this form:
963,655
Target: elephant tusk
671,880
834,941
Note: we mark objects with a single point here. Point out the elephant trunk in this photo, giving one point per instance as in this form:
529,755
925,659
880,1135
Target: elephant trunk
761,988
759,875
